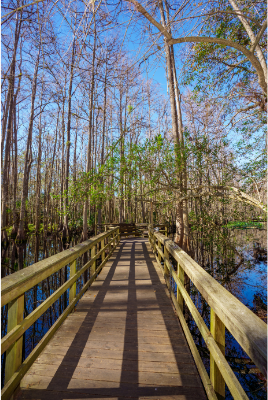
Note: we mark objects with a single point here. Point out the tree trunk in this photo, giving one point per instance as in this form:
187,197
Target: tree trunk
103,139
28,158
38,180
65,232
11,110
88,168
182,237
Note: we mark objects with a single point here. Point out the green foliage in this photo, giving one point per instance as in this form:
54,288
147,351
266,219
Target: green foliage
244,225
212,65
31,228
216,70
9,230
129,109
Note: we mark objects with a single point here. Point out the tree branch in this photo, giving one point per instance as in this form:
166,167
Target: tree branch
258,37
142,10
235,194
228,43
261,71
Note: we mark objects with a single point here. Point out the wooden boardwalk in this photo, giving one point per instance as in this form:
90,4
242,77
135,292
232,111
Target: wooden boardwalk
123,340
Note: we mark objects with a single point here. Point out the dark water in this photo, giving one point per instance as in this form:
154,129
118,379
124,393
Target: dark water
246,279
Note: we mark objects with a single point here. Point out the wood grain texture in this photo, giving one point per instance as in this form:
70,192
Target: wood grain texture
123,340
217,330
14,353
246,327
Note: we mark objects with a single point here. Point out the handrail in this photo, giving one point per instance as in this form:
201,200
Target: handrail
18,283
226,311
14,286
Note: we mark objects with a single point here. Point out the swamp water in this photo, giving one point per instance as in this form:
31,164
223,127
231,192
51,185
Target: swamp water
247,280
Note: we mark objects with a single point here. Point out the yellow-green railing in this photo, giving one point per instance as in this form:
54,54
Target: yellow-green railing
225,311
15,285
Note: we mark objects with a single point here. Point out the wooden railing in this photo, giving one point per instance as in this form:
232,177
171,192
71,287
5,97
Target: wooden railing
125,229
15,285
134,229
225,311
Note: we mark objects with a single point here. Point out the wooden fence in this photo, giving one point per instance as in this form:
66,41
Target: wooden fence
225,311
15,285
134,229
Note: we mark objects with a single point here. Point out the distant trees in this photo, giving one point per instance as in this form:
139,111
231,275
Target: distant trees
77,110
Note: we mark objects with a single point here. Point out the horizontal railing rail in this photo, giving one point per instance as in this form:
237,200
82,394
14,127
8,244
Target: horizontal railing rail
15,285
225,311
128,229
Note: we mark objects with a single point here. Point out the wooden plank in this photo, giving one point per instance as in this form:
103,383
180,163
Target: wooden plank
186,376
217,330
119,336
116,330
110,363
88,352
181,346
102,248
72,292
181,278
93,254
108,389
14,353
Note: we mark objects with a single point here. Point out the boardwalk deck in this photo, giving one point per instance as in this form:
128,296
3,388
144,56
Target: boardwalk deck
123,340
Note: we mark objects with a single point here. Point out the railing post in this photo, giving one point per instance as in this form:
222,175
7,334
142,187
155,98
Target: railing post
217,330
106,239
103,253
154,244
180,273
166,254
159,256
166,270
110,246
72,292
118,237
93,253
14,353
166,231
115,239
113,236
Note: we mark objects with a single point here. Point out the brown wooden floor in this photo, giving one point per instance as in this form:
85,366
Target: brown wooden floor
123,340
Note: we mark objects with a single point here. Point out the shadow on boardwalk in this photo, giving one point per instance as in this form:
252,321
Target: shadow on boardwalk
123,340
